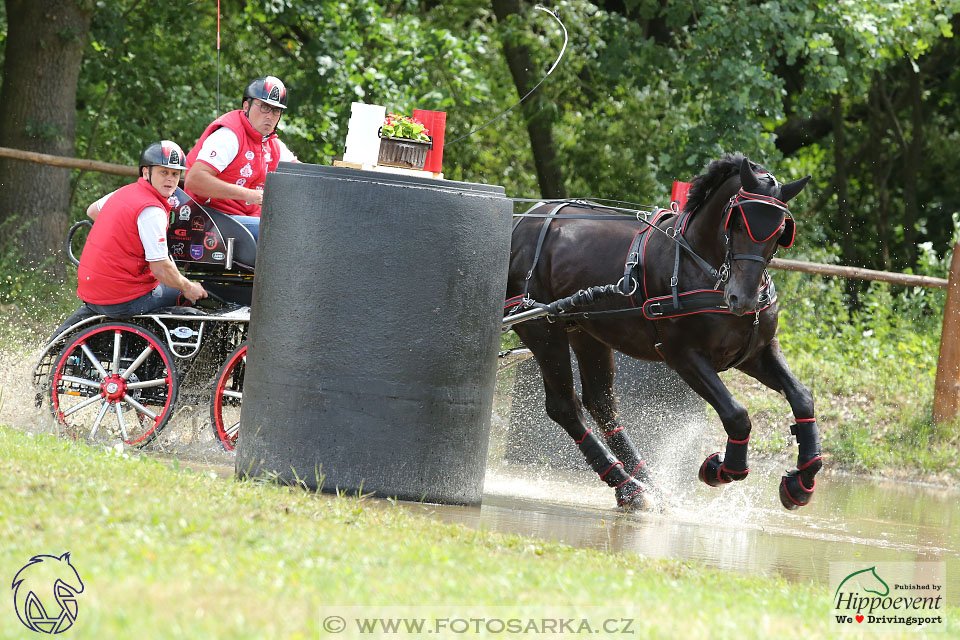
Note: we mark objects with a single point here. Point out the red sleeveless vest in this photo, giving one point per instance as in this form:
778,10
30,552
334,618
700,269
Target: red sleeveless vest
113,267
249,169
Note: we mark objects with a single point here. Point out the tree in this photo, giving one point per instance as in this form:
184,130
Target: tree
45,41
536,110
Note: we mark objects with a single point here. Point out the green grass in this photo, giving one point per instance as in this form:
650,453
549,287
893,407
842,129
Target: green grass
169,553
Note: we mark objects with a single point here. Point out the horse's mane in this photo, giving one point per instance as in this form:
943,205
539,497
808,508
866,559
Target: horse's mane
716,173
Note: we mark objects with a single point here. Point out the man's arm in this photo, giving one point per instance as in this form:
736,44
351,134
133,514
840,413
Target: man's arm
93,211
203,180
167,273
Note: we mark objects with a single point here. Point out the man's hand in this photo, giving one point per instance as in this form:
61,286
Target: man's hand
167,273
193,291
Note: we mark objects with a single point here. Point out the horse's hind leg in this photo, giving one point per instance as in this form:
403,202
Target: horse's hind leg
550,347
596,379
770,368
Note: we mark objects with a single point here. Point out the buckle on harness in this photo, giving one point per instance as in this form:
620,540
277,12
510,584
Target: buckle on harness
653,313
673,281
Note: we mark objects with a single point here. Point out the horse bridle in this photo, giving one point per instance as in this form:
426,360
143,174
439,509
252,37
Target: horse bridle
737,200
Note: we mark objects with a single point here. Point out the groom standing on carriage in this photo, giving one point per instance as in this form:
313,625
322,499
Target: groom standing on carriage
227,167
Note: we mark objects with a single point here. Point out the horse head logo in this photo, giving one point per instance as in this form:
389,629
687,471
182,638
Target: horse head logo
865,580
45,593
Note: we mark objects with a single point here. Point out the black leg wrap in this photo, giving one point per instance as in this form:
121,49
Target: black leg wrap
628,490
734,465
622,447
796,487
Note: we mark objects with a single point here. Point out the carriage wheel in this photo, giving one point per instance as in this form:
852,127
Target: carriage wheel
228,396
114,380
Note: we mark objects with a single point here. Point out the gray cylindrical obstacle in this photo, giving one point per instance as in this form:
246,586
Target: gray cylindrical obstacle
374,333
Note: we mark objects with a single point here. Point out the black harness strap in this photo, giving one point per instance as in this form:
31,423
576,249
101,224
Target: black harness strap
543,235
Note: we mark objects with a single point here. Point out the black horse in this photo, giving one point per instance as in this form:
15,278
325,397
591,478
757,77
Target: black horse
693,292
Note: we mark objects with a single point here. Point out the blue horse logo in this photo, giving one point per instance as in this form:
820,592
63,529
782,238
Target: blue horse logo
45,593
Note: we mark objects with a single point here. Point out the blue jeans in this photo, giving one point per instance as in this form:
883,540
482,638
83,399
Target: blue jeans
161,296
252,223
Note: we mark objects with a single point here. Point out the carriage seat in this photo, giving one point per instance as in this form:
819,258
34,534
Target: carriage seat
198,238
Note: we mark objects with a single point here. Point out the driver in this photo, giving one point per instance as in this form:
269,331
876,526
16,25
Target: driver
227,167
124,269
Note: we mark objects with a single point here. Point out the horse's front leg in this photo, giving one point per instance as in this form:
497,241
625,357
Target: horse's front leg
770,368
697,372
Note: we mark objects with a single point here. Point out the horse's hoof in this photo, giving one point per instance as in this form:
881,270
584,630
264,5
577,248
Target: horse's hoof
792,492
710,471
632,497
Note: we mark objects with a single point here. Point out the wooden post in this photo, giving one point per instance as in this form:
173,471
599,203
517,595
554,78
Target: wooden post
946,390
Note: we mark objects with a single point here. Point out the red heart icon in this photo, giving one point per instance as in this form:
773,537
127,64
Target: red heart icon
859,618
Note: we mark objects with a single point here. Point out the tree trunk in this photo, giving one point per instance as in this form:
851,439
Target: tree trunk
539,125
848,247
913,157
45,42
882,166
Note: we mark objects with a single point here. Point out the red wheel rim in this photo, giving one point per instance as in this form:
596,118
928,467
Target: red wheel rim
113,389
228,433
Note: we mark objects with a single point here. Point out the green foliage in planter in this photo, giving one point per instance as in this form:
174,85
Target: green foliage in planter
400,126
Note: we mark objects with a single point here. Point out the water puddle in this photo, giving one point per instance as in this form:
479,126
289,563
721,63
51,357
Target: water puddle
740,527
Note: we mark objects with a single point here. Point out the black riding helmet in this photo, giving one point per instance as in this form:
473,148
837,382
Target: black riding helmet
165,153
268,89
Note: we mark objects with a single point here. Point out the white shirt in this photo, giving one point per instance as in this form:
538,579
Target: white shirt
222,146
152,226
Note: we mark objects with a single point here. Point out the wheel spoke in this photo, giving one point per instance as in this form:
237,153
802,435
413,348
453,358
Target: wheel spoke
80,381
123,425
93,360
96,423
231,431
139,407
115,369
83,404
233,394
147,383
136,363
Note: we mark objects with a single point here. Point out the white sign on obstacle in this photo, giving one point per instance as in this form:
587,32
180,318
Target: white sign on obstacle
363,141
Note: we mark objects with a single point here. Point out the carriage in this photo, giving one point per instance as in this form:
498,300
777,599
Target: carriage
107,379
692,291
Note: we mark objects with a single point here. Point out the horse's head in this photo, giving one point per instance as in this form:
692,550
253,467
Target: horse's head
756,223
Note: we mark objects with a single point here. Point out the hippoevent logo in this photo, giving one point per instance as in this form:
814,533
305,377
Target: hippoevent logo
888,596
45,593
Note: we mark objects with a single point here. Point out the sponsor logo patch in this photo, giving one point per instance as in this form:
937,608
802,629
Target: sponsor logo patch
183,332
218,255
185,212
210,241
246,171
248,155
196,251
